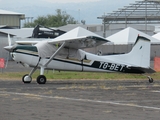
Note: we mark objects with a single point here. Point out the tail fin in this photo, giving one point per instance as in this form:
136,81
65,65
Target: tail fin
140,53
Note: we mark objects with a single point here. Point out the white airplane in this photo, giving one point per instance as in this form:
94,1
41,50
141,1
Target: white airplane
65,53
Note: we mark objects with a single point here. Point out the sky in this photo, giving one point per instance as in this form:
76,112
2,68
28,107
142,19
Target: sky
87,10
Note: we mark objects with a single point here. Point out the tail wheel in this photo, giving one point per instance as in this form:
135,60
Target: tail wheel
41,79
26,79
150,79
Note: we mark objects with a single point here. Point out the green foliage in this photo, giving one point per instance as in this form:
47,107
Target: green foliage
61,18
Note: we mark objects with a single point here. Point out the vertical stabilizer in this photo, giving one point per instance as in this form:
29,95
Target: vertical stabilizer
140,53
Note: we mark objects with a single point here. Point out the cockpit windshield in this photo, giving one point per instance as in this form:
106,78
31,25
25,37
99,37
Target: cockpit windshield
26,49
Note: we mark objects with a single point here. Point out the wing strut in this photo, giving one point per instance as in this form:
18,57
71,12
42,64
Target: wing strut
54,54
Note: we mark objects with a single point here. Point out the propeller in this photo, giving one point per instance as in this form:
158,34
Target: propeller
9,48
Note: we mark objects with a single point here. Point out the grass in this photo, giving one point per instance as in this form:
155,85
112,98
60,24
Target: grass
63,75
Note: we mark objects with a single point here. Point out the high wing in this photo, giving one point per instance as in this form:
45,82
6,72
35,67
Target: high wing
81,42
79,38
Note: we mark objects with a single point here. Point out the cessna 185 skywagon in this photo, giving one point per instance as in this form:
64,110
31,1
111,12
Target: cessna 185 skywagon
65,53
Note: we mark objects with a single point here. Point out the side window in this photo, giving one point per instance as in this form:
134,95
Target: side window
25,48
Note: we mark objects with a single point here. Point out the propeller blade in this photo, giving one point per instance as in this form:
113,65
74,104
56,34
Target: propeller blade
9,40
9,48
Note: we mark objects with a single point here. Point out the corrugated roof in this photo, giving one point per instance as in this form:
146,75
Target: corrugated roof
23,33
5,12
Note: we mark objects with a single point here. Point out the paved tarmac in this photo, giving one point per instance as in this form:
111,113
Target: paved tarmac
80,100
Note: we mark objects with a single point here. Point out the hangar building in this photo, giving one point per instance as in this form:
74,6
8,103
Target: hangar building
11,19
8,20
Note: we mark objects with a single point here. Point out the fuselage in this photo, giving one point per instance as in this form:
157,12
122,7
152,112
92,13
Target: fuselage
91,62
65,54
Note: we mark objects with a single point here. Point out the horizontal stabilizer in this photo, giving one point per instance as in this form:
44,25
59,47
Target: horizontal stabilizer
139,70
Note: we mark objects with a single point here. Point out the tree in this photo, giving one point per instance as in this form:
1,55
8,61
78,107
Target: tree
59,19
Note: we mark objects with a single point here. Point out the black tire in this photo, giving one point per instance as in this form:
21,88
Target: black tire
41,79
151,80
26,81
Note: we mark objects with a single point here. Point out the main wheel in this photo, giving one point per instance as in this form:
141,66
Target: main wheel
26,79
41,79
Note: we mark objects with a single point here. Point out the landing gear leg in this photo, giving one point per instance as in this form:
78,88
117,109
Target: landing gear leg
41,79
